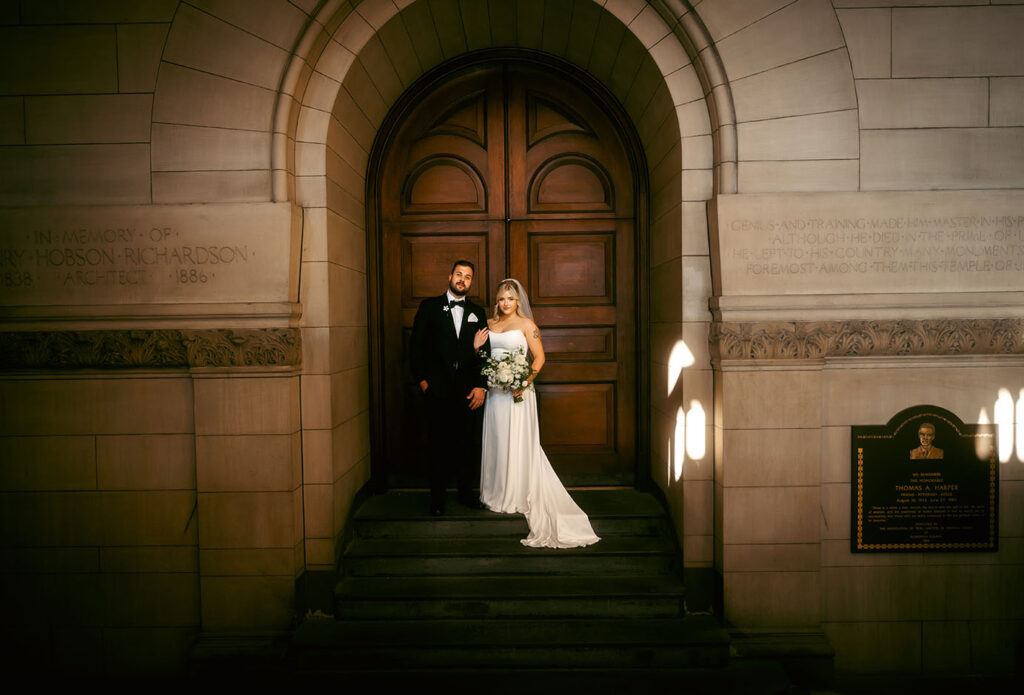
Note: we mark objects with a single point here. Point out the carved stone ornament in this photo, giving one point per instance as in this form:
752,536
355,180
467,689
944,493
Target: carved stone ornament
259,347
820,339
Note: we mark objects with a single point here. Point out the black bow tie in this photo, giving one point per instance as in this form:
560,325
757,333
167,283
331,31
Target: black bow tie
457,302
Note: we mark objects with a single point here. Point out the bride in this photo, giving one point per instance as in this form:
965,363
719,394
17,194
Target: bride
515,474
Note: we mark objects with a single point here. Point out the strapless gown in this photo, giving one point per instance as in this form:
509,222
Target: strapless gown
515,474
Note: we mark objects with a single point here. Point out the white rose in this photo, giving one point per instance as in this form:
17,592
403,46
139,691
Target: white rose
521,360
504,375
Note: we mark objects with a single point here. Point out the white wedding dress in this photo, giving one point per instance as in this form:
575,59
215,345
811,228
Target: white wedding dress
515,474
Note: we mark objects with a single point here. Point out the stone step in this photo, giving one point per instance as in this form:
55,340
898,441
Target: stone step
396,598
519,643
403,514
597,503
457,602
615,555
699,630
499,526
738,678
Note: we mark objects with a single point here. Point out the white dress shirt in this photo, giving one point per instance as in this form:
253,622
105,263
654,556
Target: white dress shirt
457,312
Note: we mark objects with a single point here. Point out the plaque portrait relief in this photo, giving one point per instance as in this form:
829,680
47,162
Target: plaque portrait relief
924,482
927,450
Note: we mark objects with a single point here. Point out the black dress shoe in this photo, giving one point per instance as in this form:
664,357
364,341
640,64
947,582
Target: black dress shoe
470,502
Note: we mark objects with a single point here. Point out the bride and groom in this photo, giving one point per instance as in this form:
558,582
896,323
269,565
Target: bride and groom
515,474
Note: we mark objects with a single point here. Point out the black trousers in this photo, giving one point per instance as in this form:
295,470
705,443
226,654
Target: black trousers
453,436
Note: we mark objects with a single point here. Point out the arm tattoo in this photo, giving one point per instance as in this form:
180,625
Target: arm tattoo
536,333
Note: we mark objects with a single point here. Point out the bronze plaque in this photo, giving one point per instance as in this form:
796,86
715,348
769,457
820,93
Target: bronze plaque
924,482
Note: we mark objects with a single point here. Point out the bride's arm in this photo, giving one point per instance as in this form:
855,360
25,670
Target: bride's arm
536,349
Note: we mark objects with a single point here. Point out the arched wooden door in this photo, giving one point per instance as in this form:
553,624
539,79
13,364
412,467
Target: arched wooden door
522,172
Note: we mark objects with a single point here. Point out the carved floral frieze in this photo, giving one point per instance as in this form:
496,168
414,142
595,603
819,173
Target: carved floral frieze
886,338
163,348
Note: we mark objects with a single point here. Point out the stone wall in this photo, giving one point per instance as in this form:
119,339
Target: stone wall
101,537
818,330
803,353
937,612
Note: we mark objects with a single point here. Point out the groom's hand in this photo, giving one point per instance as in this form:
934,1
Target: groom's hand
476,398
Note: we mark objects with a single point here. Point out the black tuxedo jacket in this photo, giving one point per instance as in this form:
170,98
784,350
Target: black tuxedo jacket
447,363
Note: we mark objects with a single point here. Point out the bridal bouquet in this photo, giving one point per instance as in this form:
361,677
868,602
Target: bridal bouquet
508,372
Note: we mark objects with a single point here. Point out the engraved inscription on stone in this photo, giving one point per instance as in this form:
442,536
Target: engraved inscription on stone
885,245
877,242
144,254
86,257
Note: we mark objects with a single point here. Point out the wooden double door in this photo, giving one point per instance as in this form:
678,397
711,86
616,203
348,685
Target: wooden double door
520,171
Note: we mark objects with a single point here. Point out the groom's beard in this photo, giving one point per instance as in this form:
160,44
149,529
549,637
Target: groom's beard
456,291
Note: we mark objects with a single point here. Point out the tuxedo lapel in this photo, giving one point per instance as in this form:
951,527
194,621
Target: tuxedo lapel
462,326
445,326
449,319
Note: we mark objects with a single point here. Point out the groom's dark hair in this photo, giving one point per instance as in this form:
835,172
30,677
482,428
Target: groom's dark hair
463,262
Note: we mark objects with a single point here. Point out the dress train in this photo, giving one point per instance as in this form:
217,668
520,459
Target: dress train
516,476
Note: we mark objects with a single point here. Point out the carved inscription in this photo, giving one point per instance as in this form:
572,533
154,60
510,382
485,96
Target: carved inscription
110,257
143,254
898,245
872,242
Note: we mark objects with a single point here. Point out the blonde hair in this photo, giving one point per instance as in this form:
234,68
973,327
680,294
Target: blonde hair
509,285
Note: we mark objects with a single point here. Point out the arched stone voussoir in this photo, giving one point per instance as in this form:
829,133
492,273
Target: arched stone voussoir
351,69
203,41
217,91
788,86
212,52
749,44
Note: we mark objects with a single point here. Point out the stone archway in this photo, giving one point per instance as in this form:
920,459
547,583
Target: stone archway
339,101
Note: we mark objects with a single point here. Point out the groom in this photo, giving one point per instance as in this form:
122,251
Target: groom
448,372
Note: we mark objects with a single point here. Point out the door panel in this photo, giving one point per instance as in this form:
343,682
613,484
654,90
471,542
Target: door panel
571,183
521,172
447,160
578,344
565,157
578,417
427,260
571,268
444,184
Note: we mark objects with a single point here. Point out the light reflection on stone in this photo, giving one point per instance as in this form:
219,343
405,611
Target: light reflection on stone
679,455
679,357
1019,429
1003,411
696,419
982,444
